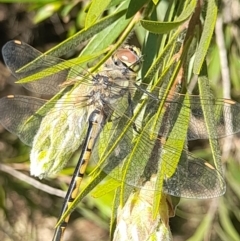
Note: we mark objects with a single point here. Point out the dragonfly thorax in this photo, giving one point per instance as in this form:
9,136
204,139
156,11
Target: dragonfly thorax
106,92
116,78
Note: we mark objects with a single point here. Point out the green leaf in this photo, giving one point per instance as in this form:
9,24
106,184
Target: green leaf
136,161
100,41
155,1
85,34
28,1
210,120
73,42
96,9
208,29
76,39
134,7
169,160
83,193
116,204
46,11
65,65
160,62
109,185
115,3
66,9
165,27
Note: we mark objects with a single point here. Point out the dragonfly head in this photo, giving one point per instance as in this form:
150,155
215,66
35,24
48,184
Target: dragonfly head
130,57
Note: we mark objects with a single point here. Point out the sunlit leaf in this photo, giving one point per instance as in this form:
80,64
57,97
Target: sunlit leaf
208,29
166,27
96,9
46,11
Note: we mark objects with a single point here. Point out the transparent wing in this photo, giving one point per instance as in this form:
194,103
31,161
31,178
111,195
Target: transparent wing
23,115
14,113
226,116
119,145
133,158
54,133
194,178
17,54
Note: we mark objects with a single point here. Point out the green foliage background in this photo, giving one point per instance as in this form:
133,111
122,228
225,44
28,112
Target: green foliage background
27,211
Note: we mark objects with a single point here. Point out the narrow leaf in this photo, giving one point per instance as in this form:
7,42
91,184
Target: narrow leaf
165,27
169,160
134,7
65,65
72,42
210,120
208,28
96,9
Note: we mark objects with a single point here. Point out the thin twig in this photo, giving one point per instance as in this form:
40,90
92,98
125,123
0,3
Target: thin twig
32,181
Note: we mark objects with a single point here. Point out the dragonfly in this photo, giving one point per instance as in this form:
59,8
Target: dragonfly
100,114
90,104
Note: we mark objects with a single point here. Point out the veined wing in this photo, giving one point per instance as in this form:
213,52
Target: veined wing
17,54
225,117
16,110
22,115
193,176
225,111
133,158
56,129
66,108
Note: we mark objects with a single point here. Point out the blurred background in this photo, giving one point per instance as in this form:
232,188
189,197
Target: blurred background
29,207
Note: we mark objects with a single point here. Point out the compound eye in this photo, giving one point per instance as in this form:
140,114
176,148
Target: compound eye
127,56
130,57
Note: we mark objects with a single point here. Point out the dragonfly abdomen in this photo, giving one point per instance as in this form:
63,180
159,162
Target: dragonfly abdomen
96,122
